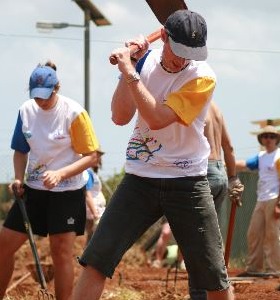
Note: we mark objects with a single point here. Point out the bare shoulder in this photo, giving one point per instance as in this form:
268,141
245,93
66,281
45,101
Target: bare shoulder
214,114
215,110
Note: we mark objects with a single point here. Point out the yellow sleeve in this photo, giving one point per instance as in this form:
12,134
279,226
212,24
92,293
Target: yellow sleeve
82,134
188,102
277,164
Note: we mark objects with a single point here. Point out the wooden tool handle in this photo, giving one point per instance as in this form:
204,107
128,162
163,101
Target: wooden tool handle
133,48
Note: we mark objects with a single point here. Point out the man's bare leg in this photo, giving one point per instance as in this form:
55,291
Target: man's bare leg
90,285
163,241
221,295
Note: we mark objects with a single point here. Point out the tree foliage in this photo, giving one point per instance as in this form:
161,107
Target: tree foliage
111,183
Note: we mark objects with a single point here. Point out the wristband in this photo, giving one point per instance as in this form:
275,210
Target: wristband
133,77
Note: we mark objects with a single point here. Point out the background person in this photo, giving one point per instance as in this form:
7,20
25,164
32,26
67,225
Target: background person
223,181
166,162
95,200
221,172
53,143
161,245
263,232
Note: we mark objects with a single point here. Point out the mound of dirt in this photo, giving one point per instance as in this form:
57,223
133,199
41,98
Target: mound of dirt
134,279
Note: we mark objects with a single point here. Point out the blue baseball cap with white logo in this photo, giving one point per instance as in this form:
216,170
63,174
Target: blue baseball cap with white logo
42,82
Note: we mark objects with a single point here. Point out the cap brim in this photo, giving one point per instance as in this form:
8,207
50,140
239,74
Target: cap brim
192,53
42,93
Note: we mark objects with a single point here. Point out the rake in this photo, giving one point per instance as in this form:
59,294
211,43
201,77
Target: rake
43,293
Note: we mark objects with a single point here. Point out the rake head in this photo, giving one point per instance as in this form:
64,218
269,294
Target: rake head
45,295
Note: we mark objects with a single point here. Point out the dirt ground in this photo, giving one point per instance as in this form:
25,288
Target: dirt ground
133,279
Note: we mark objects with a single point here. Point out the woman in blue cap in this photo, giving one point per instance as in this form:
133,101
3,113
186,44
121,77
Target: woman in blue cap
54,143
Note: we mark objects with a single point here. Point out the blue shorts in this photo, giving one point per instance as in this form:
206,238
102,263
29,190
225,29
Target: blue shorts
188,206
50,212
218,181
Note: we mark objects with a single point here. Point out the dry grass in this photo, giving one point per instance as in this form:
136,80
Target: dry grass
123,294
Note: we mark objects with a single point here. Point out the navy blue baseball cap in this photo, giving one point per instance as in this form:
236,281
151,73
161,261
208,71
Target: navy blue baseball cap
42,82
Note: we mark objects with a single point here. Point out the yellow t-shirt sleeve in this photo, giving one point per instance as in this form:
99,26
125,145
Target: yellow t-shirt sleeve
82,134
190,99
278,167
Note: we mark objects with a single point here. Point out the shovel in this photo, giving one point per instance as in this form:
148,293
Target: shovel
43,293
162,9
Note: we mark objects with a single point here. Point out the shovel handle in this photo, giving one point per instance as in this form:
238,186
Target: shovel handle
230,232
133,48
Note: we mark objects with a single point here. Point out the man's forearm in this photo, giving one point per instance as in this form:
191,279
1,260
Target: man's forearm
122,106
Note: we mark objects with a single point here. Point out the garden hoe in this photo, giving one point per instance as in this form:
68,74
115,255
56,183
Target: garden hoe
43,293
240,285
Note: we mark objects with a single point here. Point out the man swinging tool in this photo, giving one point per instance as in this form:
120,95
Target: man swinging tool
166,163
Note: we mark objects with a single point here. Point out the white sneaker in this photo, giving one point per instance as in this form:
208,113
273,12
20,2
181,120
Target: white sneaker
182,265
156,264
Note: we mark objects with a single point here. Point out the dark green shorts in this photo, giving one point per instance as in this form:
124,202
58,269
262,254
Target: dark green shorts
189,208
50,212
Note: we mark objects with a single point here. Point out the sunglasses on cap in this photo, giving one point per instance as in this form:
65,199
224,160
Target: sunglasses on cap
269,136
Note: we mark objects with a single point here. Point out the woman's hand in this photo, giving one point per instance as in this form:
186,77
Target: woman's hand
16,187
51,179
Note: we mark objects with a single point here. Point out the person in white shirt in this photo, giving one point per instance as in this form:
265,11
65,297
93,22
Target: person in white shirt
54,143
166,160
263,232
95,200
